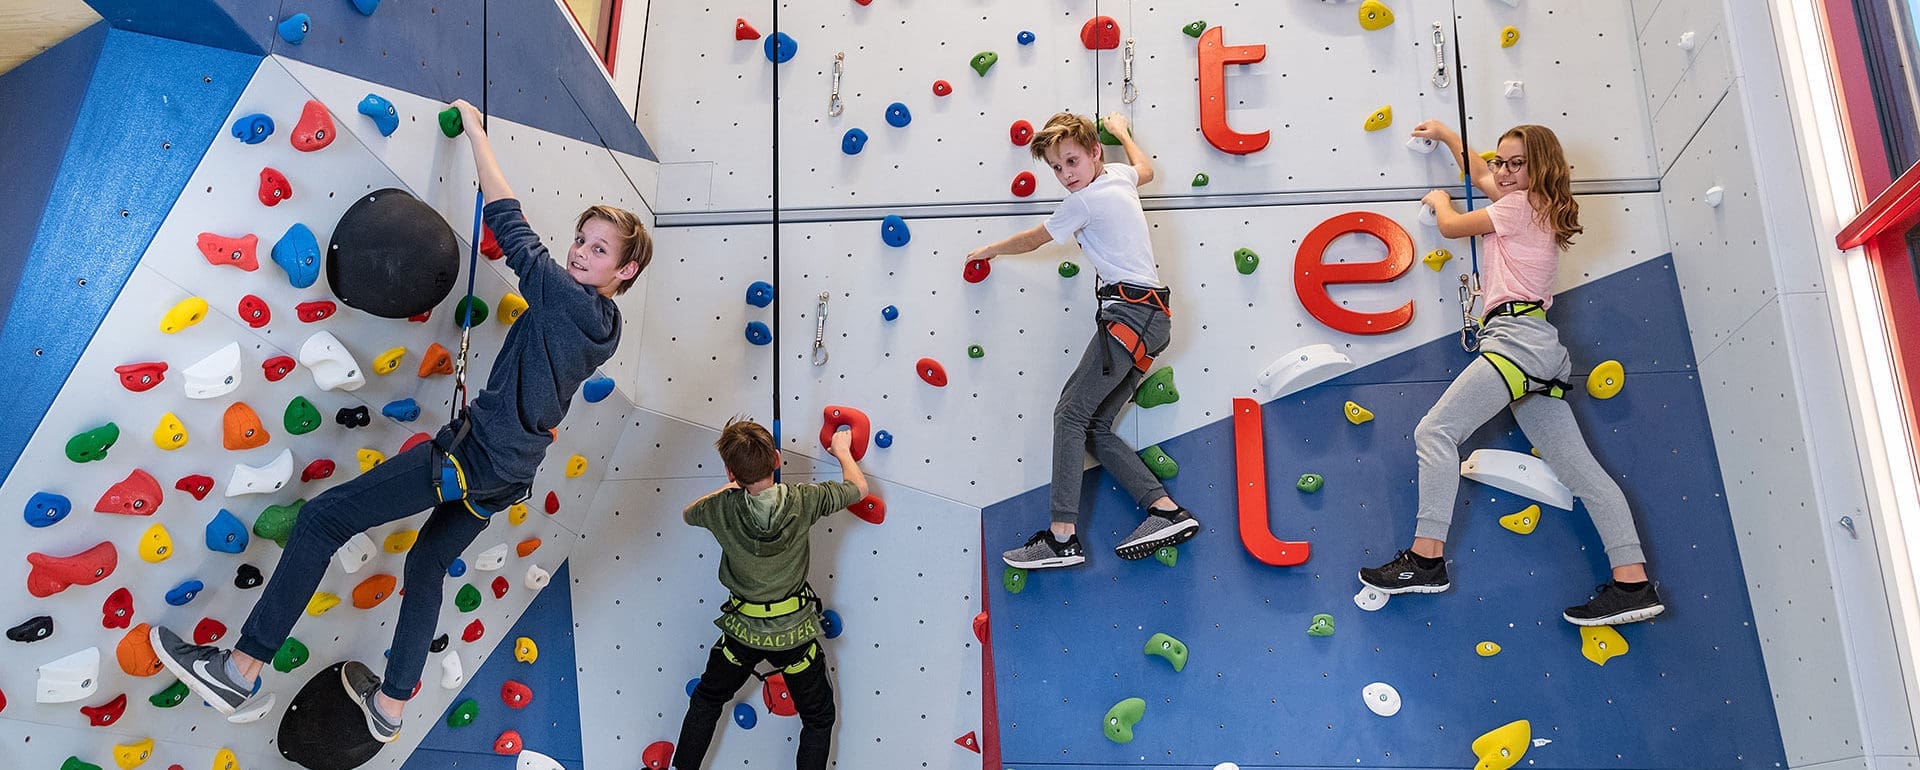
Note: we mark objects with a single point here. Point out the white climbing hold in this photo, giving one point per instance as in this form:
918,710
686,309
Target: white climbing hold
1519,473
1714,195
1421,144
265,479
1686,40
1370,598
70,678
492,558
1427,216
1381,699
332,366
536,577
1226,766
356,552
216,375
534,760
1303,367
452,675
1514,89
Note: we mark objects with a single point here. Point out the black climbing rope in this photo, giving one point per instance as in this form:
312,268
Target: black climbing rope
459,404
774,38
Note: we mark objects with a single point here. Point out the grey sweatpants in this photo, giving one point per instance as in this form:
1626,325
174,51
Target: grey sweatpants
1479,393
1083,419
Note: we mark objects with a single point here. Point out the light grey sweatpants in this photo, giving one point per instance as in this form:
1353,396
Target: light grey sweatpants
1479,393
1099,387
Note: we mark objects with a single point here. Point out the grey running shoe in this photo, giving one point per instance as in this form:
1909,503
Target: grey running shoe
255,709
1160,529
363,686
1612,605
202,667
1042,551
1404,575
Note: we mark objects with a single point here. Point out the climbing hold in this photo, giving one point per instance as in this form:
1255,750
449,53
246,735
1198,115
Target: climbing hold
1358,414
117,610
1119,721
1503,746
450,122
452,675
355,553
277,368
216,375
780,48
135,653
830,624
260,480
1014,579
385,363
1157,389
293,30
760,294
174,695
1168,648
758,333
778,698
369,593
525,651
136,495
1025,37
156,544
457,568
1106,137
1201,180
32,630
297,252
984,61
1606,379
276,522
889,313
657,755
141,377
536,577
1302,367
969,742
511,306
404,410
1516,89
1522,522
187,312
316,311
1167,554
381,111
463,713
366,8
1100,33
333,368
240,428
469,311
931,372
247,576
1374,15
473,632
1310,483
1601,644
898,116
744,31
1069,270
1519,473
1245,261
853,141
70,678
1379,119
90,445
291,655
1421,145
515,694
1023,184
745,716
975,351
524,549
46,509
301,416
196,485
274,188
594,390
233,252
1370,599
576,466
1381,699
208,631
1194,28
438,361
491,559
1509,36
834,417
105,714
1021,132
254,311
894,232
253,129
1487,649
976,270
1157,461
315,129
401,541
517,514
320,602
1437,258
1322,625
870,509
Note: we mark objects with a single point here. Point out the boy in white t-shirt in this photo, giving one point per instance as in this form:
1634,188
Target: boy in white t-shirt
1135,322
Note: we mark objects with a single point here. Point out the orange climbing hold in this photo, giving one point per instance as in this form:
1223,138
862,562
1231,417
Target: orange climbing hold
241,428
135,653
372,591
527,547
136,495
870,509
435,361
233,252
1100,33
315,129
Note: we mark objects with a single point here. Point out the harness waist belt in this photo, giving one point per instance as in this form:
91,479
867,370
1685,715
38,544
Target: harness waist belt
1516,308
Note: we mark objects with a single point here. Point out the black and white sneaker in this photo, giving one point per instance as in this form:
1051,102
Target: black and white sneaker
1612,605
1159,530
1042,551
363,686
1404,575
202,667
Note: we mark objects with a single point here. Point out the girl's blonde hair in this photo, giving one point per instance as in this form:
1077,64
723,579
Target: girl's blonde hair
1065,127
1552,181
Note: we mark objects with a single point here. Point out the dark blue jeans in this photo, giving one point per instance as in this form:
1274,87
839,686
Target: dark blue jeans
393,490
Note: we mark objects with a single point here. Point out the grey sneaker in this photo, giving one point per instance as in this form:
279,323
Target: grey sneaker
363,686
202,667
1042,551
1160,529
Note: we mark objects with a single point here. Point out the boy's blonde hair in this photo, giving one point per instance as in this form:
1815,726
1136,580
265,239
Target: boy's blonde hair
636,244
1066,127
747,449
1552,181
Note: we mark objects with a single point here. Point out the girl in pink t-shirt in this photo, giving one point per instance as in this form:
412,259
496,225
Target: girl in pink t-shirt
1522,367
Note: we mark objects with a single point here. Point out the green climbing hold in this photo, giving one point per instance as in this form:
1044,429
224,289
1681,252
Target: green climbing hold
1157,461
1245,261
1173,650
302,416
479,311
975,351
468,599
1310,483
463,713
174,695
1322,625
1195,28
1167,554
1069,270
1157,389
450,122
1015,579
292,655
1121,719
1201,180
93,445
984,61
1107,137
74,763
276,522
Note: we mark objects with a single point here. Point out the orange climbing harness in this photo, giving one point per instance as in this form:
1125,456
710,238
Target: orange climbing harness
1127,336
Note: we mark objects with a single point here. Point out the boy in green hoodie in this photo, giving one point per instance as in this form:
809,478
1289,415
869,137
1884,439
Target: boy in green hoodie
772,614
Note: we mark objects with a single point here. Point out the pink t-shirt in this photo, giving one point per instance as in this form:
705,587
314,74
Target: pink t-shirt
1521,254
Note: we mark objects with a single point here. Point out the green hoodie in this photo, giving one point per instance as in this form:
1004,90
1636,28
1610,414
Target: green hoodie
764,554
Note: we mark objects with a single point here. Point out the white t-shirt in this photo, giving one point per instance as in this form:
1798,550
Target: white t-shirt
1105,219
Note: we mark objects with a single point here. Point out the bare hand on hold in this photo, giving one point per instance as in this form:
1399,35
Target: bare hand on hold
1438,199
470,117
1433,129
842,446
1118,125
984,252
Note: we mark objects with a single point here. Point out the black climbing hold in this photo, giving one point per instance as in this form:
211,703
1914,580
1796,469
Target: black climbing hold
33,630
392,255
247,576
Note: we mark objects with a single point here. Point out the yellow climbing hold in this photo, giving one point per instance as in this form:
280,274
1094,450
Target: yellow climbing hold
511,306
369,458
1601,644
1607,379
1436,258
576,465
517,514
1503,746
1357,414
402,541
225,760
1522,522
1381,118
1509,36
321,602
132,755
525,651
170,434
190,311
156,545
1488,155
1375,15
387,362
1487,649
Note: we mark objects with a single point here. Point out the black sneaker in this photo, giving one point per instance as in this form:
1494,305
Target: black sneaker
1404,575
363,686
1159,530
1612,605
1042,551
202,667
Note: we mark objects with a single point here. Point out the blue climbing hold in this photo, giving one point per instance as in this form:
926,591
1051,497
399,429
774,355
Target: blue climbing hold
253,129
366,7
889,312
830,624
404,410
184,593
46,509
853,142
458,568
225,533
893,230
1025,37
760,294
295,28
745,716
597,389
758,333
691,684
385,117
297,252
883,439
898,116
780,48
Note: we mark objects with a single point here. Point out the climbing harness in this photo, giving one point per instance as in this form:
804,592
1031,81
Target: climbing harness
1130,338
1128,91
820,331
450,479
1519,383
778,609
834,107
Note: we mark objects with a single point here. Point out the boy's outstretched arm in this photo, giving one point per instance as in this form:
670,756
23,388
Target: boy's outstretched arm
849,470
1118,125
686,513
1019,243
493,183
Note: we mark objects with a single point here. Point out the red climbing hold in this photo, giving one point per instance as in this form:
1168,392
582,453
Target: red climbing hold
318,469
968,742
104,715
942,88
657,756
744,31
274,187
778,698
317,310
421,317
870,509
277,367
507,744
864,2
1023,184
209,631
136,495
1250,470
236,252
50,575
117,611
474,631
977,270
254,311
1021,132
515,694
414,440
3,707
553,503
981,630
315,129
197,485
141,377
1100,33
499,586
488,247
932,372
854,419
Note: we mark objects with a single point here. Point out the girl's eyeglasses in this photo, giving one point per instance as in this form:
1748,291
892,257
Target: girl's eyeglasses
1499,164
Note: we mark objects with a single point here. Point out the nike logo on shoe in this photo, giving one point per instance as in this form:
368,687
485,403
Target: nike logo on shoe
200,670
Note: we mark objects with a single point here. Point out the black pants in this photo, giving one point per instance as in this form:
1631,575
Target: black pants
812,697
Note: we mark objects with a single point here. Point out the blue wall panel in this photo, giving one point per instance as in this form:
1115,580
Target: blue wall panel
205,22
